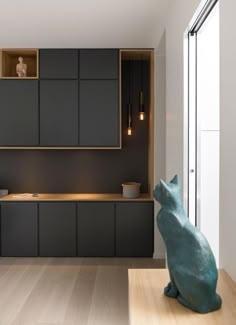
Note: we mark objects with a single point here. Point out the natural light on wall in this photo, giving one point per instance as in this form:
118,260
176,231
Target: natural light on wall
209,129
204,129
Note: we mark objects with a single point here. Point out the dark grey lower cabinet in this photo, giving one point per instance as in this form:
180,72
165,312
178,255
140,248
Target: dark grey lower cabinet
96,229
57,229
134,229
19,229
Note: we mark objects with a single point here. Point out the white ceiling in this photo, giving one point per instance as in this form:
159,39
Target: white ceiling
81,23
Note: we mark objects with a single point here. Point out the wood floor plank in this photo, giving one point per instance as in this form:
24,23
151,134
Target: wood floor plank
9,281
44,293
66,291
110,297
15,301
58,301
80,302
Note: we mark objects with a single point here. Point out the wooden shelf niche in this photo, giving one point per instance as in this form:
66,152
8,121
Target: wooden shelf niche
145,55
9,60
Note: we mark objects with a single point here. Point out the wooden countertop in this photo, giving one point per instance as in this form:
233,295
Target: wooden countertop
71,197
148,305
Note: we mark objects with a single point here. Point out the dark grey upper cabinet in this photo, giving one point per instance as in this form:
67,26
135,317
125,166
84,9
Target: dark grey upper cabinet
57,229
19,229
18,113
99,64
99,113
134,229
59,113
59,64
59,110
96,229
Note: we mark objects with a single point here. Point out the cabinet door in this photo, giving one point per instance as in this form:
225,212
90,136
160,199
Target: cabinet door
99,64
57,229
19,113
96,229
58,113
99,113
19,229
134,229
59,64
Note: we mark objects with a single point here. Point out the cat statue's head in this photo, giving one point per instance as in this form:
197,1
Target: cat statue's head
168,194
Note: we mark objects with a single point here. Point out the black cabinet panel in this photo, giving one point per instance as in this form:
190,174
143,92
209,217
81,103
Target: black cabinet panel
99,64
18,113
134,229
57,229
99,229
99,113
19,229
59,64
58,113
96,229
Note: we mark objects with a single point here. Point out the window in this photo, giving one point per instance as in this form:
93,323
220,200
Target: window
204,124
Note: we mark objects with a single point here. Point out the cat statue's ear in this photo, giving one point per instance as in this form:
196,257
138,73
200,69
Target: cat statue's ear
163,184
175,180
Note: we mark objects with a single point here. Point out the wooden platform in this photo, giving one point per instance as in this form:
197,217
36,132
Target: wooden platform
149,306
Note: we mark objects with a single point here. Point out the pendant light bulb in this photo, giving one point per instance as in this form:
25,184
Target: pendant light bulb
141,107
141,116
129,131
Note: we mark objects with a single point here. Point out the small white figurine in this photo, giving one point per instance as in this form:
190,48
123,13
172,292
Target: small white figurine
21,68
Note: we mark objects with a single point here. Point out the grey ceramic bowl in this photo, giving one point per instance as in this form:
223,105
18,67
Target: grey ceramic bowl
131,190
3,192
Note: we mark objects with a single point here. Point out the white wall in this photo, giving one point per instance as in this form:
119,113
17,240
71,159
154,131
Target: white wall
179,15
169,114
159,133
208,219
81,24
227,137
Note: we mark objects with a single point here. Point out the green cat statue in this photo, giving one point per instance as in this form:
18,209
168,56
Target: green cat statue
192,266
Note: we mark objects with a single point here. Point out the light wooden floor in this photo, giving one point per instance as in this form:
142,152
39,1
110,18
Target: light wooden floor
149,306
66,291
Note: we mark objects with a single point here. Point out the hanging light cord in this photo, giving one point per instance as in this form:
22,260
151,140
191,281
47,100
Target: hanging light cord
129,104
141,103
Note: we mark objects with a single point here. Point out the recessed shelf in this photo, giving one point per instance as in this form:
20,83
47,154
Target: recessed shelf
9,60
145,55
